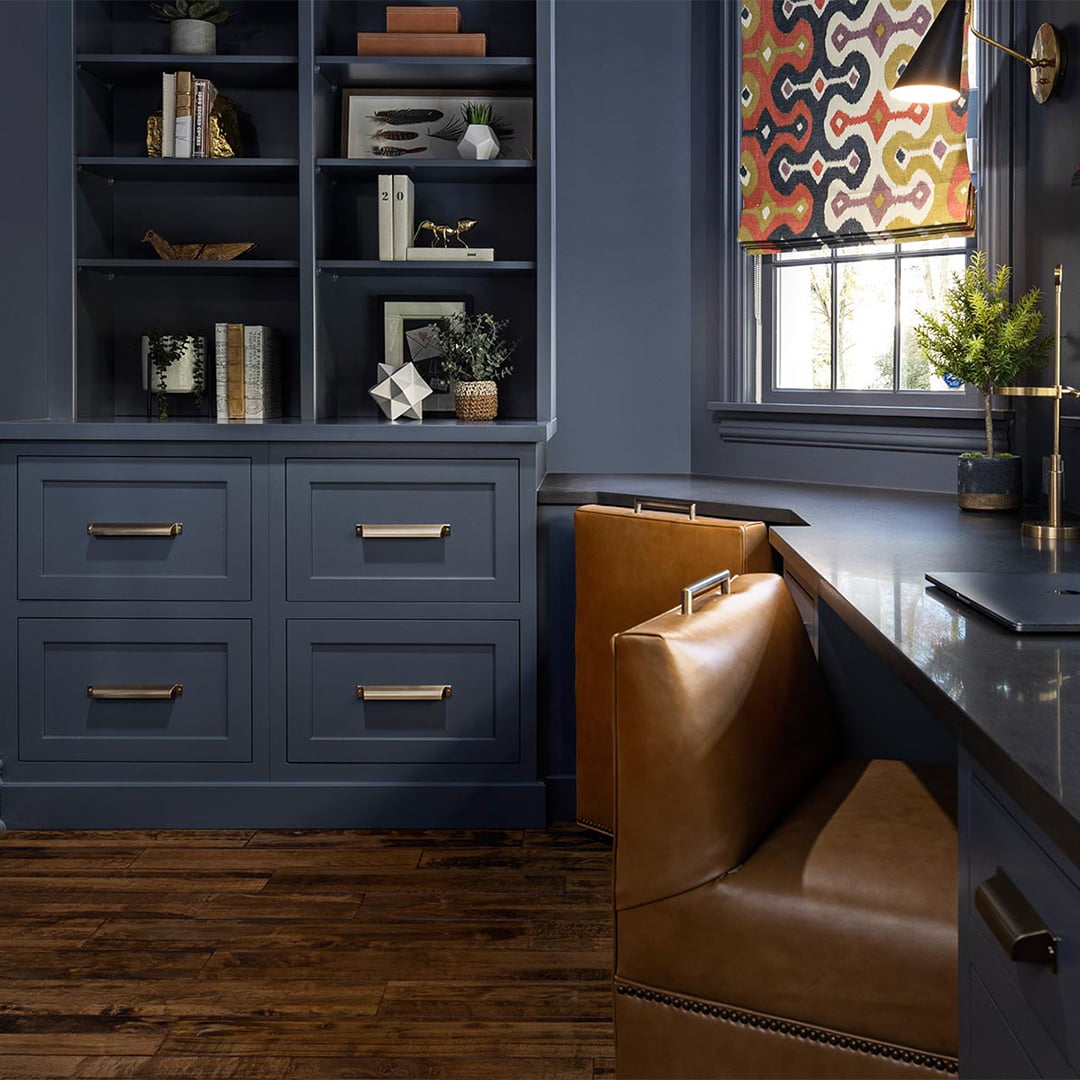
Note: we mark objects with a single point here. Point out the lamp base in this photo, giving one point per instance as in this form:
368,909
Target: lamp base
1048,50
1043,530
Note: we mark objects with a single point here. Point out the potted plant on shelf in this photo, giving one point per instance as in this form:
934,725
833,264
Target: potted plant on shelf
192,24
475,355
173,364
479,143
982,339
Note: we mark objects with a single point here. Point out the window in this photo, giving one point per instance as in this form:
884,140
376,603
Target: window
841,319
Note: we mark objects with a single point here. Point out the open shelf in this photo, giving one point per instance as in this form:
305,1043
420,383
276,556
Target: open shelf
138,69
188,266
452,172
374,266
426,72
168,170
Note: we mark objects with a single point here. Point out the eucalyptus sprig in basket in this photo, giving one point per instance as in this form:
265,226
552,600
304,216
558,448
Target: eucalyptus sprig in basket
475,356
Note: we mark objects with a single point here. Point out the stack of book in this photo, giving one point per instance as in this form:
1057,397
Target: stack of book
247,372
186,103
422,31
397,227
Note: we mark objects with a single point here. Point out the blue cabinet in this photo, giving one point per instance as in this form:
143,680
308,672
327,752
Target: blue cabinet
134,690
1020,1016
398,530
177,529
277,637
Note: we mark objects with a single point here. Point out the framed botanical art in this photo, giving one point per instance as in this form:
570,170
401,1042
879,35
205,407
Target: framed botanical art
422,125
408,337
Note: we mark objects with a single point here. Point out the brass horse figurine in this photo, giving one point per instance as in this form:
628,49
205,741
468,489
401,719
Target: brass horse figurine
440,234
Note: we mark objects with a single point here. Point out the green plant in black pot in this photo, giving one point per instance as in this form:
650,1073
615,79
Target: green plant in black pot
475,355
982,339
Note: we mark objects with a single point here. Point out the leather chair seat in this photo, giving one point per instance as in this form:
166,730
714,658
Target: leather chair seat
833,922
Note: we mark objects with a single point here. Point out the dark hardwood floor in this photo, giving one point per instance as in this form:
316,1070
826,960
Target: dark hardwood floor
306,955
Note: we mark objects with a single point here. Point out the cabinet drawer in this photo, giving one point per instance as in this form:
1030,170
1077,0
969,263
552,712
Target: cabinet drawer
201,505
406,715
999,841
207,719
476,559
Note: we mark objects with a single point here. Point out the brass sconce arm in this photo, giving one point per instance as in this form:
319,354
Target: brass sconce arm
1031,61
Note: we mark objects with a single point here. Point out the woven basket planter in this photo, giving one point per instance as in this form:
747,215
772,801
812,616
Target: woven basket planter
476,400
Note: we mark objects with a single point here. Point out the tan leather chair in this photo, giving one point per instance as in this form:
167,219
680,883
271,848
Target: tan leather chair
629,564
779,912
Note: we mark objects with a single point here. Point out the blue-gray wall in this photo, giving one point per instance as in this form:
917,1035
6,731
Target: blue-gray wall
623,183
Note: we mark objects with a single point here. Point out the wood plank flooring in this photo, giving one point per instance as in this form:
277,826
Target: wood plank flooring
231,955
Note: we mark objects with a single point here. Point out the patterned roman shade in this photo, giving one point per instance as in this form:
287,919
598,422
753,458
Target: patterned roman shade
828,155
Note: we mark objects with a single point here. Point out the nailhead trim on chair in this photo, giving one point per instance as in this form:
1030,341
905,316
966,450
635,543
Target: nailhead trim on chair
789,1027
595,825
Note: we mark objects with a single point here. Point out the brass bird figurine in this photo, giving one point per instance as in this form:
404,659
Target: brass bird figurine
219,252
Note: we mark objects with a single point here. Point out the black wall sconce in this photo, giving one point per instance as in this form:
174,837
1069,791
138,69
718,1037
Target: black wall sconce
933,72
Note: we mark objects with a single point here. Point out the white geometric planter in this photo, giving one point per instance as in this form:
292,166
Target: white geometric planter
193,37
479,143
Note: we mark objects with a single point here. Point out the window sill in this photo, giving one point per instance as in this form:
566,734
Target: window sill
911,429
886,415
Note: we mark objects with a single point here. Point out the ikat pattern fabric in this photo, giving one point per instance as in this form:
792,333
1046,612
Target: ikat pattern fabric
828,155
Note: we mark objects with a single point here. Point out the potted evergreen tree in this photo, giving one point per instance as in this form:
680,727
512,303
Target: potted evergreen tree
982,339
475,355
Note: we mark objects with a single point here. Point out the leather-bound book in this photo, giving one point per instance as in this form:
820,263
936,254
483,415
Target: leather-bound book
423,20
421,45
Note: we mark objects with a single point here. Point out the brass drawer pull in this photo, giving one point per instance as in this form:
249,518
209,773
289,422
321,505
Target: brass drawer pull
692,592
688,508
404,693
402,532
134,692
1015,923
135,528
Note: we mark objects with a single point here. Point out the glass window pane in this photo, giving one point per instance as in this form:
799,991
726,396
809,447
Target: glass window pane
877,247
866,306
804,255
941,243
804,328
922,286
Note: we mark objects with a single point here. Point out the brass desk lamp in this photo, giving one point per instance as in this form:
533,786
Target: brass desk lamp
1053,528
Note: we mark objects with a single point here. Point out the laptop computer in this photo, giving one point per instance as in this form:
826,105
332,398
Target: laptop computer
1027,602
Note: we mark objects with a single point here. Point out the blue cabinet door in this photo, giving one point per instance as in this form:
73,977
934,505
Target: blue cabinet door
433,692
134,528
138,690
348,524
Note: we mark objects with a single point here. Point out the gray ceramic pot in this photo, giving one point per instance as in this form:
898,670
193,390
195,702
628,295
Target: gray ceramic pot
194,37
989,483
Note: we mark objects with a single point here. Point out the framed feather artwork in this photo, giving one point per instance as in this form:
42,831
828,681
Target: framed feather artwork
406,125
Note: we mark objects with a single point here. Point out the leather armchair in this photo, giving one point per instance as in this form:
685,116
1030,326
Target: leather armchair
629,564
780,912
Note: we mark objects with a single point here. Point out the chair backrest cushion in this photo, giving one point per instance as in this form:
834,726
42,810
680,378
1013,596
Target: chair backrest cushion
722,722
629,568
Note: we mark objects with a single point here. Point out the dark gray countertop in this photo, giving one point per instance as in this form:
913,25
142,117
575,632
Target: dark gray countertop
1012,699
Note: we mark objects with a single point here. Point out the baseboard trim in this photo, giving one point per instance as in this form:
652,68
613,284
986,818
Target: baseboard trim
273,806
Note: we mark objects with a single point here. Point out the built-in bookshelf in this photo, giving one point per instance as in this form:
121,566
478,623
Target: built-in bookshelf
315,273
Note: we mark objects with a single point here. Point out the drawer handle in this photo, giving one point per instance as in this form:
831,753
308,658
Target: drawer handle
687,508
692,592
402,532
133,692
404,693
135,528
1014,922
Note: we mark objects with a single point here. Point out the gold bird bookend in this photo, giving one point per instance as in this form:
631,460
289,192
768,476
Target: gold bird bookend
218,252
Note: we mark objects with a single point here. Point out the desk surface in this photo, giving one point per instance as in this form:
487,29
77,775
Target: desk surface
1013,700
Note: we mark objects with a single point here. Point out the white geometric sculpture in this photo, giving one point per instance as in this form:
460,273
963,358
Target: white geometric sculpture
400,392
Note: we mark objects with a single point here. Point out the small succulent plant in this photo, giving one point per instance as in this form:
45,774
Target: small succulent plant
475,113
209,11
